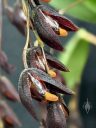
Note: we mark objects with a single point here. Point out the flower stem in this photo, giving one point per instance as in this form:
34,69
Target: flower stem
27,41
39,41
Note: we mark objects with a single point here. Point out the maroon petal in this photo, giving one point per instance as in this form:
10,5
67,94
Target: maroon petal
25,94
63,21
51,83
45,31
53,62
38,88
7,89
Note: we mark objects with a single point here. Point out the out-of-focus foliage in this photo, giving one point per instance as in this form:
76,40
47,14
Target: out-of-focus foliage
84,10
75,56
77,48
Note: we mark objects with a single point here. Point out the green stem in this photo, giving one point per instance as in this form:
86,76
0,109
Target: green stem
27,42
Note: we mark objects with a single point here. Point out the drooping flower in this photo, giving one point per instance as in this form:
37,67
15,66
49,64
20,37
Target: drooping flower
49,24
34,83
35,59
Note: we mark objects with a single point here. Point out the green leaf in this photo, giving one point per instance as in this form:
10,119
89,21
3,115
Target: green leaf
85,10
74,58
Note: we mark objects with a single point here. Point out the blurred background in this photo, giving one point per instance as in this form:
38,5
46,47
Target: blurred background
80,57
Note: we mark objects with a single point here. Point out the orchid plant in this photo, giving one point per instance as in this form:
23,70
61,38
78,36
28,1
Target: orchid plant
40,79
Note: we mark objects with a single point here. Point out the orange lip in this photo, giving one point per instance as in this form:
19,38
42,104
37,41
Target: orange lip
63,32
50,97
52,73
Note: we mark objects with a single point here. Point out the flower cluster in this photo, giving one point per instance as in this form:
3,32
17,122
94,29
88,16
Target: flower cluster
41,79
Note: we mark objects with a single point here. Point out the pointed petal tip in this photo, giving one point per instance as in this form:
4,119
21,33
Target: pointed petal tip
72,93
76,28
53,62
60,48
69,91
65,69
